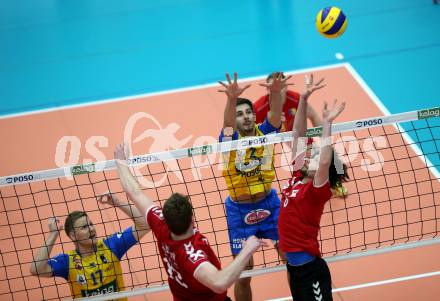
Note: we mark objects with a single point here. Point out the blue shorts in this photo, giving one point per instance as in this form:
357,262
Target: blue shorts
246,219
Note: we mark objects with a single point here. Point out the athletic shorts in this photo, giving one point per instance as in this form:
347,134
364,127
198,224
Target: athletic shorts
311,281
246,219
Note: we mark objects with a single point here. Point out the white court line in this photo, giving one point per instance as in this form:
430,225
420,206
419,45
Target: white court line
385,111
367,89
376,283
164,92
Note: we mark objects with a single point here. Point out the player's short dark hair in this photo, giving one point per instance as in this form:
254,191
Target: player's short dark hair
337,171
71,219
178,213
273,74
241,101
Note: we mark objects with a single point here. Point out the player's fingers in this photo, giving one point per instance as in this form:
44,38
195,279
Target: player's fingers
223,84
60,226
307,80
318,87
246,87
228,78
320,81
342,106
287,78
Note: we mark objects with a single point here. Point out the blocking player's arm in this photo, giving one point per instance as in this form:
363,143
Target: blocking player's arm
325,159
220,280
141,227
40,266
129,183
232,91
300,123
276,102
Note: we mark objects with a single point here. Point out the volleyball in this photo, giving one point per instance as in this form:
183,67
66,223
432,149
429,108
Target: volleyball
331,22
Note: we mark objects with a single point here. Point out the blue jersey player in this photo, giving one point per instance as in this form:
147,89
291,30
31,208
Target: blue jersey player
93,267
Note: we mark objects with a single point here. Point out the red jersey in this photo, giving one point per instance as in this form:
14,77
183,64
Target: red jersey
261,108
301,209
181,258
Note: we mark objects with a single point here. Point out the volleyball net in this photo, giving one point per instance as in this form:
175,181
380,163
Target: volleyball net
392,201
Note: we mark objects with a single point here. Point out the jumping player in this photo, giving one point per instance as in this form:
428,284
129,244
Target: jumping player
252,207
290,101
303,200
194,271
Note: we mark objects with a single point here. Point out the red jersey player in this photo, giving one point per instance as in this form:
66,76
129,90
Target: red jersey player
303,200
290,100
194,271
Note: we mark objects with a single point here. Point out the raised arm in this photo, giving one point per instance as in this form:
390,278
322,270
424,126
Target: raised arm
141,227
300,123
232,91
40,266
129,183
325,159
276,102
220,280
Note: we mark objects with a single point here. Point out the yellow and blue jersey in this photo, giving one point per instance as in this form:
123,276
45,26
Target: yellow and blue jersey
98,273
250,171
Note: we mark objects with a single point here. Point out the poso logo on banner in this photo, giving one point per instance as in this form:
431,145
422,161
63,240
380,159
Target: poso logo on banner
369,122
143,159
20,179
254,141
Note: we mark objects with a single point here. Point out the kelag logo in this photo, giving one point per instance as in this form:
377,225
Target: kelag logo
314,132
203,150
369,122
82,169
428,113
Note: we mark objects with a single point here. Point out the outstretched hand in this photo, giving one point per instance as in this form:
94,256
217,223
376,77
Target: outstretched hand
330,113
278,83
311,86
55,224
232,89
107,198
121,153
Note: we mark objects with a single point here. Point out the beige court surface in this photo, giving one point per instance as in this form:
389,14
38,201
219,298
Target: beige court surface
386,206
